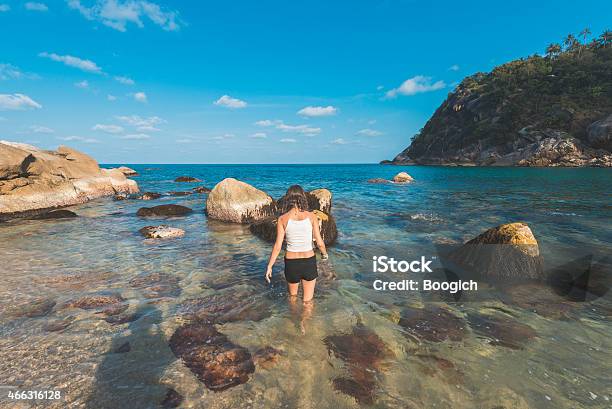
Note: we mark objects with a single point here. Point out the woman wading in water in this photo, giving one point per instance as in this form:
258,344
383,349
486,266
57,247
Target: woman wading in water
299,227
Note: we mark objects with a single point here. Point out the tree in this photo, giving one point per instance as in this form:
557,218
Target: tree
570,42
584,33
606,38
553,50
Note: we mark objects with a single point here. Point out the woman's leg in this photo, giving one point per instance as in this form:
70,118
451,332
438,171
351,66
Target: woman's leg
308,287
292,288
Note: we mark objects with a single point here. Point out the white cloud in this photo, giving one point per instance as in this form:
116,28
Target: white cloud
117,14
40,129
17,102
82,84
4,7
372,121
281,126
140,97
339,141
124,80
312,111
136,136
229,102
112,129
380,88
71,61
369,132
288,140
416,85
259,135
111,97
185,140
142,124
10,72
78,139
33,6
454,67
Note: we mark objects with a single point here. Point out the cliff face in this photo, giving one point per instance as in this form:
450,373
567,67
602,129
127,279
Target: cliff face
540,111
32,179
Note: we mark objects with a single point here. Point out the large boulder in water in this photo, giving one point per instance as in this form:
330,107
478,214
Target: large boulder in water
234,201
505,252
161,232
33,179
266,229
163,211
402,177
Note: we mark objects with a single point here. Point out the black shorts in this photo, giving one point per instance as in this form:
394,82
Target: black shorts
297,269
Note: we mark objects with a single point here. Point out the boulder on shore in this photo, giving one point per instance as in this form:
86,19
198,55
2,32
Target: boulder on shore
127,171
33,179
161,232
164,211
266,229
402,177
234,201
505,252
186,179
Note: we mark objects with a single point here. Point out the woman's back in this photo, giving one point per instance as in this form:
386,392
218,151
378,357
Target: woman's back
298,233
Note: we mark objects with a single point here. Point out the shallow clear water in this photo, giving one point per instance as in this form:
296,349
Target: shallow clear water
566,365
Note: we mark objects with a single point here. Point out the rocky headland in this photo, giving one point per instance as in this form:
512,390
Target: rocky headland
33,179
552,110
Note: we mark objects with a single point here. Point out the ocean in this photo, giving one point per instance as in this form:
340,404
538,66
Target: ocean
561,360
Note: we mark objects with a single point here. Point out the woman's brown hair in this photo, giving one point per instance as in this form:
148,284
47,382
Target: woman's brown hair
295,197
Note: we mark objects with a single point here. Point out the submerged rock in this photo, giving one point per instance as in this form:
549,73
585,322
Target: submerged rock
39,307
201,189
432,324
378,181
161,232
267,357
234,201
364,354
55,214
220,308
150,196
173,399
122,318
186,179
96,301
505,252
539,299
211,356
33,179
502,331
164,211
123,348
58,324
157,285
266,229
402,177
173,193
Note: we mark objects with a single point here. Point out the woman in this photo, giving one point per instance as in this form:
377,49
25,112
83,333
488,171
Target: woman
299,227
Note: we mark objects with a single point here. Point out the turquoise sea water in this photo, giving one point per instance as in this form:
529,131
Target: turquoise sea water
565,365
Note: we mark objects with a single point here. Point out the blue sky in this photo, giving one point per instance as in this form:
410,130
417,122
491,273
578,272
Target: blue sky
253,82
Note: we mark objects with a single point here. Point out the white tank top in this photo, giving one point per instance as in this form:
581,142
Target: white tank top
299,235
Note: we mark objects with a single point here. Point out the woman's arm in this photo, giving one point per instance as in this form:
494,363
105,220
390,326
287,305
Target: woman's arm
278,246
316,231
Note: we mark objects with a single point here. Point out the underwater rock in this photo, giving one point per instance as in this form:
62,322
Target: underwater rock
173,399
432,365
96,301
121,196
220,308
266,229
35,308
123,348
505,252
173,193
402,177
161,232
58,324
540,299
364,354
211,356
157,285
432,324
164,211
150,196
267,357
201,189
55,214
122,318
378,181
502,331
234,201
186,179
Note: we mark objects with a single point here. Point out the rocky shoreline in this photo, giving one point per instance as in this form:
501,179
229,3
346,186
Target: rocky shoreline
33,180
